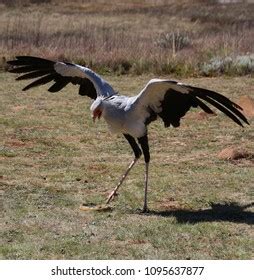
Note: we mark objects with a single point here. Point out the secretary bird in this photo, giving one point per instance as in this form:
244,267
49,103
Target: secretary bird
130,116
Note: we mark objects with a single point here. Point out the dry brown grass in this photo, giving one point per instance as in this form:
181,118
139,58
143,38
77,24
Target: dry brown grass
129,36
201,206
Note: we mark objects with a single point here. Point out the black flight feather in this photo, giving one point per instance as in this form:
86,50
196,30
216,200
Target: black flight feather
36,67
42,81
32,75
60,84
203,106
176,104
229,108
32,60
215,95
25,69
223,109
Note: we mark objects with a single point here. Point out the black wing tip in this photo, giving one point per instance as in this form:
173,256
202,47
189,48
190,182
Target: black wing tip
237,106
247,122
15,62
12,62
53,91
26,60
243,119
36,67
225,105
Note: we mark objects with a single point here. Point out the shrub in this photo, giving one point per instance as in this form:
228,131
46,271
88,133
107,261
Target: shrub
216,65
174,40
244,64
240,65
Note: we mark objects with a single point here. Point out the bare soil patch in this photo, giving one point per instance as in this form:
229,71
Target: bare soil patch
247,103
235,153
199,116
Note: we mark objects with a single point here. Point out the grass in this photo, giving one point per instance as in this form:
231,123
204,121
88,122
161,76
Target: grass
186,38
53,159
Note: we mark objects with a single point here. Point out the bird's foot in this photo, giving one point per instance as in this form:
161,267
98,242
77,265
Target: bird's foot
145,210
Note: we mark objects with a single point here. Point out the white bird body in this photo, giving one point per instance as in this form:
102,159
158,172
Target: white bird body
166,99
121,117
127,115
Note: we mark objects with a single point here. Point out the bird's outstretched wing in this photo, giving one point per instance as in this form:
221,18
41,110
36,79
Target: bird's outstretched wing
171,100
61,73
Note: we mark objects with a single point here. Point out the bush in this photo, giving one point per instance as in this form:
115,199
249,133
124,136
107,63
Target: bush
216,65
240,65
174,40
244,64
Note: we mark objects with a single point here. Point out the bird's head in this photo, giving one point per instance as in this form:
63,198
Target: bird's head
97,108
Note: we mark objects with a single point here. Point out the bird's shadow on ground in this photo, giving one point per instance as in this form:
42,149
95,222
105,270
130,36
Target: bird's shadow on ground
227,212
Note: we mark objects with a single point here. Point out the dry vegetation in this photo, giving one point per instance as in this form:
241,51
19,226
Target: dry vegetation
53,158
181,37
201,206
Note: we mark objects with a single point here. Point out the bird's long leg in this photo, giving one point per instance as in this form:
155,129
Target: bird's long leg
145,208
145,148
113,193
137,153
